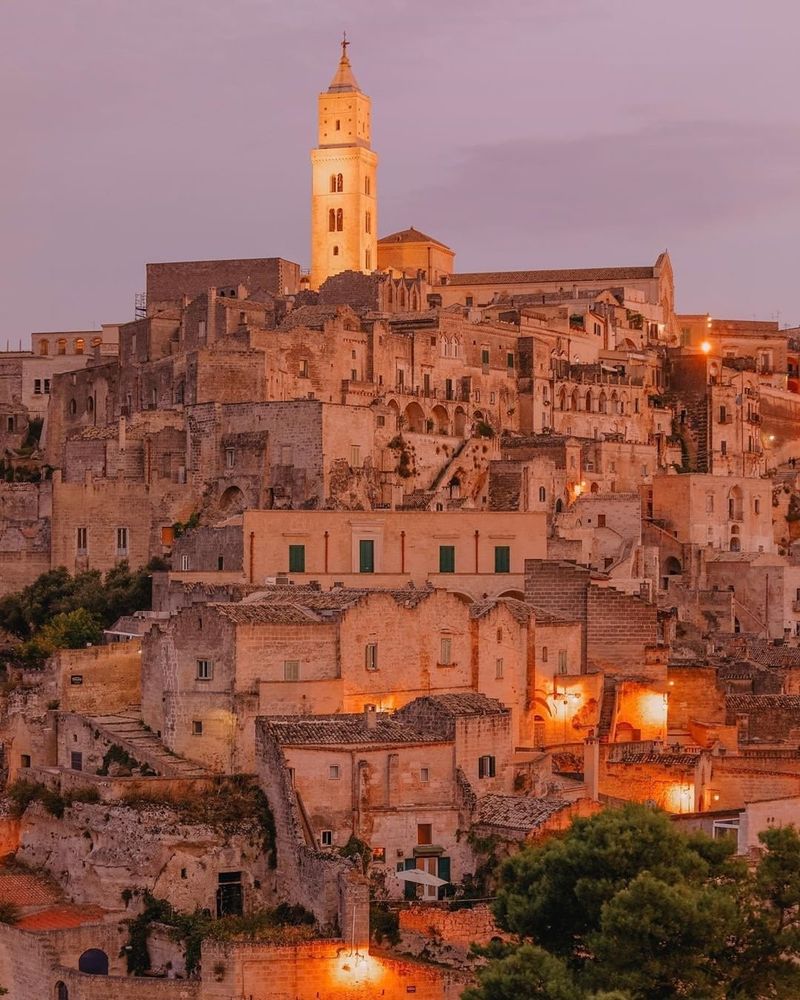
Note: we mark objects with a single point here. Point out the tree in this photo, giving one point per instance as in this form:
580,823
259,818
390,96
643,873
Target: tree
625,902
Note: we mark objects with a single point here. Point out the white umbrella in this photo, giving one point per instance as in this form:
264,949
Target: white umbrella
420,877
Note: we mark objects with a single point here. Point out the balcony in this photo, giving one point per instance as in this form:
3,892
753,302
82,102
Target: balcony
753,418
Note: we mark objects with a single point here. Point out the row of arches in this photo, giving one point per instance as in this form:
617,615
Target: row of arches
411,299
590,402
61,344
436,421
337,184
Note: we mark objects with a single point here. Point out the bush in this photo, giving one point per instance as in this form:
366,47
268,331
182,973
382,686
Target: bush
9,913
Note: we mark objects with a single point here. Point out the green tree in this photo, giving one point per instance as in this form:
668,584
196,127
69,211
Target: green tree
625,902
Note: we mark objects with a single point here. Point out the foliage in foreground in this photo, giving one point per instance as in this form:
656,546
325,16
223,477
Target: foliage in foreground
626,907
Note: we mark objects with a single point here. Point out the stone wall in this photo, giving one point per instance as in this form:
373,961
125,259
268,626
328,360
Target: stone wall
25,510
99,680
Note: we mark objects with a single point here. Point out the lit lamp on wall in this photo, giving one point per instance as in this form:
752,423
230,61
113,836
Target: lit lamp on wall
564,698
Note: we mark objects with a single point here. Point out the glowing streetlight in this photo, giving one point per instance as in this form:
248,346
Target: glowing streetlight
705,347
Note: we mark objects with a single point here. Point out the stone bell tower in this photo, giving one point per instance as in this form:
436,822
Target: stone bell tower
344,212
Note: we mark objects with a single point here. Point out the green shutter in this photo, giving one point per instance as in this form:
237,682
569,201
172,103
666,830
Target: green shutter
366,556
447,558
444,872
502,559
297,558
410,890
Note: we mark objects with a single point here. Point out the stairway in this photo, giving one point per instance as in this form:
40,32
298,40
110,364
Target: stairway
129,732
607,707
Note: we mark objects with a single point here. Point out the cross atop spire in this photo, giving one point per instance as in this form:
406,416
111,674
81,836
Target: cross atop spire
344,79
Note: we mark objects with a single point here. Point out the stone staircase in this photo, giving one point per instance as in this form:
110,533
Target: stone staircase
607,707
129,732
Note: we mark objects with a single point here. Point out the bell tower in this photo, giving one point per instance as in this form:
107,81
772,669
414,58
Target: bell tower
344,208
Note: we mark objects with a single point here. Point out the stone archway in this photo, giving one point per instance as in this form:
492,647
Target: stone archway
232,501
441,419
94,962
415,418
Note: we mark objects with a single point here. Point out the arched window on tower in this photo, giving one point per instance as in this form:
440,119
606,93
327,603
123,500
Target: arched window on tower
368,222
366,185
339,220
339,182
333,183
368,260
336,251
332,221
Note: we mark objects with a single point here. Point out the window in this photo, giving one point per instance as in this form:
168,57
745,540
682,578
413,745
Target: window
469,301
304,368
544,654
332,221
76,680
502,559
498,668
220,563
205,670
197,727
326,838
339,220
723,414
122,541
297,558
80,345
47,387
367,185
542,494
339,183
446,651
484,355
37,387
336,251
709,503
486,766
291,670
44,348
333,772
184,564
366,555
61,345
424,774
562,661
368,223
76,760
381,421
73,407
510,361
333,183
601,520
447,558
81,540
756,506
230,457
355,456
338,124
371,656
286,454
368,260
25,760
379,855
723,447
424,833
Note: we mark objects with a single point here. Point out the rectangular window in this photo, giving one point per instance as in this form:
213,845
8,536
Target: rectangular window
297,558
544,654
510,361
470,301
756,506
76,760
291,670
709,503
498,668
447,558
379,855
366,555
502,559
82,539
122,541
25,760
355,456
47,387
326,838
424,774
562,661
197,727
723,447
184,564
486,766
230,457
333,772
304,368
484,355
446,651
37,387
205,670
492,397
371,656
424,833
601,520
76,680
381,421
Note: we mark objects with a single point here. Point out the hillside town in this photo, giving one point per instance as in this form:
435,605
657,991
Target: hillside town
436,563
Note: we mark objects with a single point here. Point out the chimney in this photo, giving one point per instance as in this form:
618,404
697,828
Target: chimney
370,717
591,766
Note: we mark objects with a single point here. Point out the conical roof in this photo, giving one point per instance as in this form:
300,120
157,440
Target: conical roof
343,79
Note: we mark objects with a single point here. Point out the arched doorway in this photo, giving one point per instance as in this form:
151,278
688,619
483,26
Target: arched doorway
394,415
441,421
460,421
93,962
559,505
626,733
61,991
232,500
672,566
415,418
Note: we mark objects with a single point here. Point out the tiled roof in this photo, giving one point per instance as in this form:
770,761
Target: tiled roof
26,890
411,235
267,614
301,605
56,918
762,702
571,274
455,705
517,812
665,759
311,317
343,730
519,609
773,656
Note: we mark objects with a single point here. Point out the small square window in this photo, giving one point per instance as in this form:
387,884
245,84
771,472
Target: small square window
25,760
424,774
326,838
333,772
379,855
424,833
291,670
197,727
205,670
486,766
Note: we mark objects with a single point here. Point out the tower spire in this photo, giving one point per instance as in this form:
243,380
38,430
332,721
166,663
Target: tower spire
343,78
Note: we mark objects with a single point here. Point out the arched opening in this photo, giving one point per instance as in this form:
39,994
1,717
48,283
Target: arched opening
61,345
232,500
562,398
73,407
415,418
441,421
394,415
515,595
614,402
44,347
588,401
332,221
333,183
80,345
559,505
460,421
477,415
626,733
542,494
574,402
736,543
672,566
737,626
339,220
454,488
602,403
339,182
735,505
61,991
595,487
336,251
94,962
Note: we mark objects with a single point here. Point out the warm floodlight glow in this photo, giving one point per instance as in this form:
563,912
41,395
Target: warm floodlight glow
705,347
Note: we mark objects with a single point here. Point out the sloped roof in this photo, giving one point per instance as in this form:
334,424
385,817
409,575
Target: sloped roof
457,704
343,79
25,890
599,274
344,730
311,317
517,812
520,611
411,235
